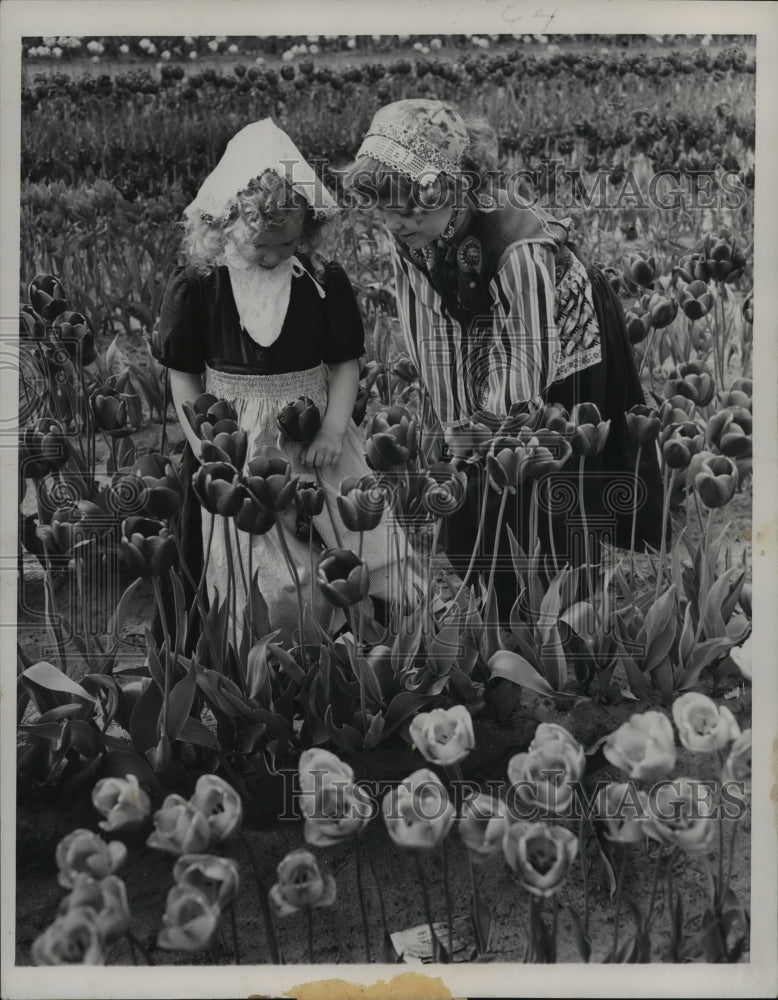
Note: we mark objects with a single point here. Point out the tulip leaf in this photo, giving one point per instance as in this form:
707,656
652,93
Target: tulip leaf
110,689
288,664
686,642
155,668
144,719
180,700
637,680
659,627
401,707
703,655
179,603
44,675
481,919
713,620
345,736
85,739
553,662
407,641
368,682
550,605
51,731
375,732
258,676
196,732
581,619
444,649
513,667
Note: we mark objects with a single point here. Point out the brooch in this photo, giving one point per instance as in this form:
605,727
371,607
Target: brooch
469,257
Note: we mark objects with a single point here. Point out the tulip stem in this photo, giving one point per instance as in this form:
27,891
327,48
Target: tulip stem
309,923
361,894
295,578
584,872
55,626
533,511
250,590
587,556
135,943
725,889
665,506
264,906
239,557
234,928
447,894
163,619
313,568
500,514
232,606
619,887
476,546
634,520
704,567
480,944
551,542
381,905
328,505
652,897
427,908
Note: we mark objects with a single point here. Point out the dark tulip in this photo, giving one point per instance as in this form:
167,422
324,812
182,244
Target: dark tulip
343,577
591,431
77,524
505,465
309,499
724,261
405,369
269,479
468,440
47,296
695,298
643,424
112,411
392,438
148,546
74,331
678,409
681,444
716,481
163,492
640,269
225,446
31,326
300,421
361,503
638,325
663,310
546,451
695,385
43,448
217,487
748,309
252,517
445,490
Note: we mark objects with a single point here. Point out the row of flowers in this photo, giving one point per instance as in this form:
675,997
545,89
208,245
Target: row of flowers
418,815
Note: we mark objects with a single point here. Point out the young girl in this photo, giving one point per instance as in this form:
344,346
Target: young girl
247,318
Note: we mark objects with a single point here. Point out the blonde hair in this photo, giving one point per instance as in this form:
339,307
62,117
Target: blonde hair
268,202
370,182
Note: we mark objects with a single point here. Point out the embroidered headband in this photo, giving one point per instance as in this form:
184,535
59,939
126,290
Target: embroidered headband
417,138
256,148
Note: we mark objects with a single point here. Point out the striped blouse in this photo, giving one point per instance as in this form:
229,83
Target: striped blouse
542,327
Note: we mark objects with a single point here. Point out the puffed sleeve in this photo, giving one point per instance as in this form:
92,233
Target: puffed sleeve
180,343
344,335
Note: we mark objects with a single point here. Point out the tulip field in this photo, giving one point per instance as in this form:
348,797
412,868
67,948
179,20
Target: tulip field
197,786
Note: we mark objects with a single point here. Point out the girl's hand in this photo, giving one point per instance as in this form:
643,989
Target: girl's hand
325,449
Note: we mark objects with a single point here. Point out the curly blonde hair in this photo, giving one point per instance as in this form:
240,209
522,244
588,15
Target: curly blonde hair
268,202
370,183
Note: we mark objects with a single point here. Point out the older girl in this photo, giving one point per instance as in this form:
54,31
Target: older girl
498,311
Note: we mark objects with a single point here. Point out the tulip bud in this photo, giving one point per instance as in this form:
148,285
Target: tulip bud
111,412
190,921
696,299
47,296
148,547
640,269
643,424
361,503
217,486
343,577
716,481
31,326
270,480
541,855
43,448
418,813
220,804
663,310
301,885
309,499
83,852
638,325
74,332
300,421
